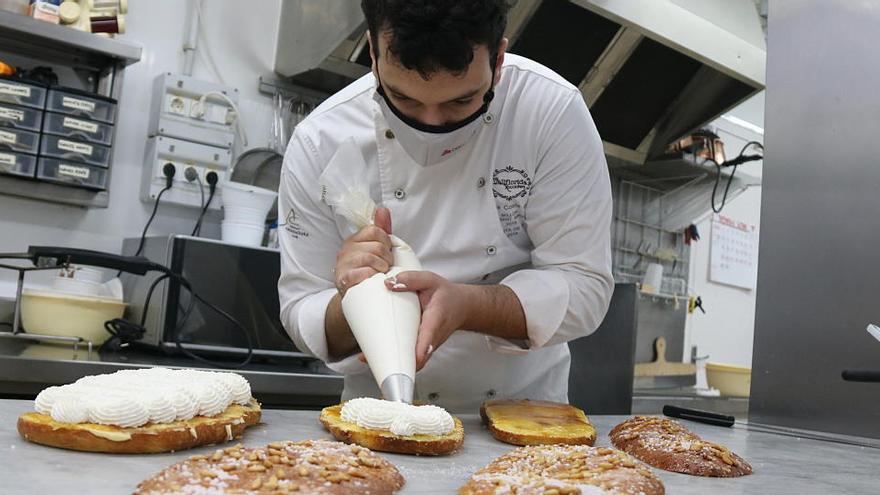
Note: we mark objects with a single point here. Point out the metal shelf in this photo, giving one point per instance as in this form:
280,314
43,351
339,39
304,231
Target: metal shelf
98,61
18,30
53,193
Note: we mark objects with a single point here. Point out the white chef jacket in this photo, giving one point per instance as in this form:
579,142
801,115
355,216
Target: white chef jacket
525,203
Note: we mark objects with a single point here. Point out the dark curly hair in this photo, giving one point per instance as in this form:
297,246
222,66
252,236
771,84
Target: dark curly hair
430,35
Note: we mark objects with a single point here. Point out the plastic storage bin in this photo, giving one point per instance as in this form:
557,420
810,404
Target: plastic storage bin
81,104
67,149
72,173
24,118
20,141
83,130
23,93
17,164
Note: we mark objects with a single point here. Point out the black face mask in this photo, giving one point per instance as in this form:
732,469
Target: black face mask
440,129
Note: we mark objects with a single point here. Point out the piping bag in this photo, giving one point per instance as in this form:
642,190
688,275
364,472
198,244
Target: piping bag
384,323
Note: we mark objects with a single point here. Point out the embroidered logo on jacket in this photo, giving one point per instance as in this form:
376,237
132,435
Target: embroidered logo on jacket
510,183
292,226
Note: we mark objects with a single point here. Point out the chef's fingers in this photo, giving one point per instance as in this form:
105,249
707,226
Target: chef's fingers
412,281
382,219
370,260
428,330
352,255
353,277
372,233
362,358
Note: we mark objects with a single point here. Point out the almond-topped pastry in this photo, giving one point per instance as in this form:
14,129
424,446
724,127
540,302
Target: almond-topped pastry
142,411
394,426
535,422
564,470
666,444
311,466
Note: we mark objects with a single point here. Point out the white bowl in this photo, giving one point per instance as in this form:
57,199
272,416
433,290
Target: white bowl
242,233
48,313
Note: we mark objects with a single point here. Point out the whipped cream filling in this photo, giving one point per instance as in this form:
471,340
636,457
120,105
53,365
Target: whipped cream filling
132,398
397,417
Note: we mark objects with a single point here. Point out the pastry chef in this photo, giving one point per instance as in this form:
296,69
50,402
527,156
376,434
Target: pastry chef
489,165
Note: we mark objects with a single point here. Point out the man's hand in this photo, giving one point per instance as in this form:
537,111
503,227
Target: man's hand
365,253
444,308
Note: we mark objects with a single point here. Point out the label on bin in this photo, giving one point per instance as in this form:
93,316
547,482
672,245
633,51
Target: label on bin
76,104
82,149
8,137
71,171
7,159
8,113
80,125
15,90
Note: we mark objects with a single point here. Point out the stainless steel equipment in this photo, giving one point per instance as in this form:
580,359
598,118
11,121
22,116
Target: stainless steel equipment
241,281
818,284
650,70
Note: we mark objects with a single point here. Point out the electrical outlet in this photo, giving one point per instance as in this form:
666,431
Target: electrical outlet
182,154
178,105
179,112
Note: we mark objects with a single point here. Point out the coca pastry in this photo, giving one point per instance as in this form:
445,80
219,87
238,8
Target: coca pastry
394,426
142,411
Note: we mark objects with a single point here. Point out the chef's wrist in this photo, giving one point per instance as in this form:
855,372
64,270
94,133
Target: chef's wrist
340,339
493,310
470,297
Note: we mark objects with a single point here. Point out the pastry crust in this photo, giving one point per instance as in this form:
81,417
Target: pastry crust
666,444
148,439
312,466
534,422
385,441
564,470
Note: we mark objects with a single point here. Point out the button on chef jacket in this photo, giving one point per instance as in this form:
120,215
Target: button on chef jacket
525,203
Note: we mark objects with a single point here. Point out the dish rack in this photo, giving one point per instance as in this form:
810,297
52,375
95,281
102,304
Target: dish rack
19,333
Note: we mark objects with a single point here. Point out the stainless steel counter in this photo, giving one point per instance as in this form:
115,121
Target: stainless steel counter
782,464
26,368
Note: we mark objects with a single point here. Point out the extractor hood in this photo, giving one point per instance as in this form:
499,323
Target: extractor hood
651,71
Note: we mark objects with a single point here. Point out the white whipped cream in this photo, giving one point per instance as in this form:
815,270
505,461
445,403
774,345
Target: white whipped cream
131,398
397,417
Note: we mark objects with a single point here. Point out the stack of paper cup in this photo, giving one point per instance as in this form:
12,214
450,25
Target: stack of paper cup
244,213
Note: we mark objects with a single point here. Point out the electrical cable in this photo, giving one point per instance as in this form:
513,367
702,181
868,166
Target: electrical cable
212,178
736,162
126,331
168,170
236,114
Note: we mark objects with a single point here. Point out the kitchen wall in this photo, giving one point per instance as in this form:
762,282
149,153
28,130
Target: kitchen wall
241,37
726,331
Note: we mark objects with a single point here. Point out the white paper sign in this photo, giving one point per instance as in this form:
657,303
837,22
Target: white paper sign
77,104
75,172
8,137
15,90
80,125
733,253
82,149
8,113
